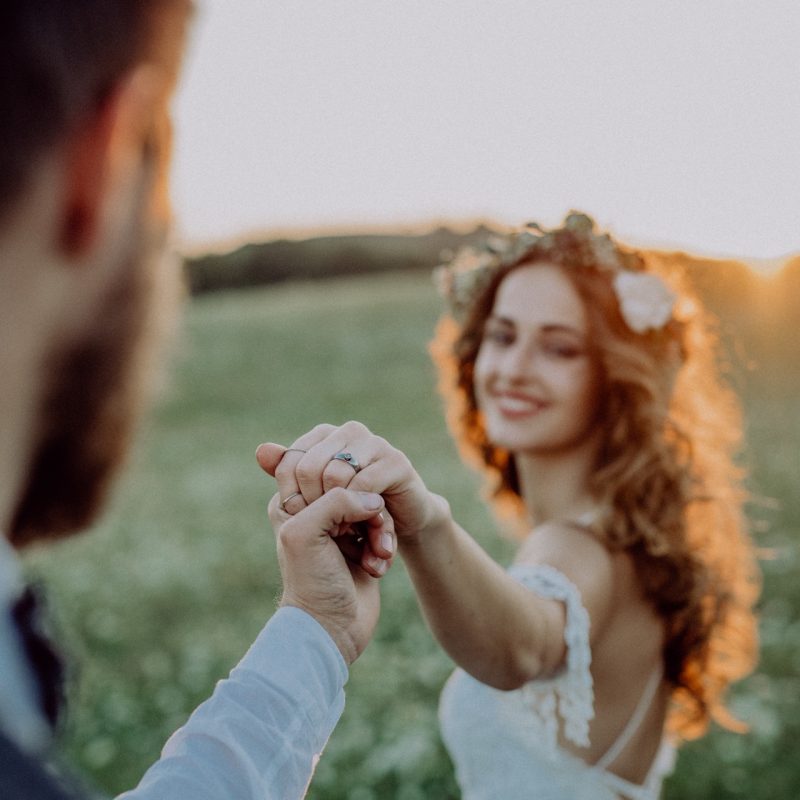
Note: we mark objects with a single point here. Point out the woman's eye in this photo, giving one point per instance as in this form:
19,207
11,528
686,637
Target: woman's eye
563,350
499,336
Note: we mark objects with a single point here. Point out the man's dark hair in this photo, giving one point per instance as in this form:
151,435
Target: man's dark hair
58,61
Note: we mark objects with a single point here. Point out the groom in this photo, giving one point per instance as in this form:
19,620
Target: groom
86,292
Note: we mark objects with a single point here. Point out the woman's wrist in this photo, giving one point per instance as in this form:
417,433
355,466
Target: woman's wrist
437,519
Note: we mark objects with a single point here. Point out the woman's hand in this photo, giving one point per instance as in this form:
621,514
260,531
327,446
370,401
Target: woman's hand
352,457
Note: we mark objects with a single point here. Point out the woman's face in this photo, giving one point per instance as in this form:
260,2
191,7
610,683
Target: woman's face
536,379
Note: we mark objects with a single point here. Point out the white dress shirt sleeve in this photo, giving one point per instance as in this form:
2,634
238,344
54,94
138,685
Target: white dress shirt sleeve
260,734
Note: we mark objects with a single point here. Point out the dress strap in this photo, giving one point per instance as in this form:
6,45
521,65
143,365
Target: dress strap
571,691
610,756
663,765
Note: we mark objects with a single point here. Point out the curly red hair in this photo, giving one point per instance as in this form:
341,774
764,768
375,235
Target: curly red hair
665,472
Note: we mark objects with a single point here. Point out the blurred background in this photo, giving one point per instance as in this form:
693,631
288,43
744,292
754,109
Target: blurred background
326,154
673,123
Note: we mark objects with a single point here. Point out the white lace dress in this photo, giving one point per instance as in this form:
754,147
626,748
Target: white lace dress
504,744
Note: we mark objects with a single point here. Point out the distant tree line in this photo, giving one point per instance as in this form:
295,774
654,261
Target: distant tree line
323,257
759,315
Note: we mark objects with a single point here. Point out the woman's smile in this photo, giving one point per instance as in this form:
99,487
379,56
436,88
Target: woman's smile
514,405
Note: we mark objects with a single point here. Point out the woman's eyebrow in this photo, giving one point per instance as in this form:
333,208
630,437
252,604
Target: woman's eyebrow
560,327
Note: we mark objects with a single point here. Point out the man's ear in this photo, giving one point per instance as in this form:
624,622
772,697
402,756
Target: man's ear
100,153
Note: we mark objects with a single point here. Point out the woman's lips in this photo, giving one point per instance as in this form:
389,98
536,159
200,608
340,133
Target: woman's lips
515,405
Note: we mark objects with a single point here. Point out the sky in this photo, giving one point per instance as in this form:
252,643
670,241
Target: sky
673,123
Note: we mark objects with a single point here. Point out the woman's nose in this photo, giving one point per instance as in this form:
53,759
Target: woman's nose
519,363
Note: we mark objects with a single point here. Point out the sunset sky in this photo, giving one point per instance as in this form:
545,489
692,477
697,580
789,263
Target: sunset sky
673,123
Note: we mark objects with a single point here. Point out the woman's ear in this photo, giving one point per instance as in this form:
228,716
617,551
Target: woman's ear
106,145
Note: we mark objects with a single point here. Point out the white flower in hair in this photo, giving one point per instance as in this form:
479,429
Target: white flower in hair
645,301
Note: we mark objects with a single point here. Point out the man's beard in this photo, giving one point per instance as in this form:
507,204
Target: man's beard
97,389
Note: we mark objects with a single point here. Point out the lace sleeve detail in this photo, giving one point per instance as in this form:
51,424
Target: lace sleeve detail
571,691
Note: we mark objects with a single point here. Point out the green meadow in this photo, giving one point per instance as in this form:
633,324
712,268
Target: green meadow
163,597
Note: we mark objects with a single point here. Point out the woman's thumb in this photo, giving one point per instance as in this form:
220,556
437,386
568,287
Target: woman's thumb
269,455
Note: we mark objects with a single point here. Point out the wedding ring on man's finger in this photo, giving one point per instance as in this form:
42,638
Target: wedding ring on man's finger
348,458
290,497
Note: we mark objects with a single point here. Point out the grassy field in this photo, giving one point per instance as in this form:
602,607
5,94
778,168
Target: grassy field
165,595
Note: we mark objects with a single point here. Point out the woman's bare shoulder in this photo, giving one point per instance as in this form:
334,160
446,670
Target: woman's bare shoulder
577,553
566,546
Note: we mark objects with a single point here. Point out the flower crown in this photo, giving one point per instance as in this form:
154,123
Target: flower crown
645,301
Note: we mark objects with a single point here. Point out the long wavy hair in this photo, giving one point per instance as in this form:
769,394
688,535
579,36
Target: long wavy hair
666,474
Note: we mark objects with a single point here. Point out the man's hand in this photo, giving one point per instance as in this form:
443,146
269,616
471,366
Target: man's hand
318,578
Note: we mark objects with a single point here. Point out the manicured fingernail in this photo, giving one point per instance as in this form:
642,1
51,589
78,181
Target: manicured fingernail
387,542
372,502
378,564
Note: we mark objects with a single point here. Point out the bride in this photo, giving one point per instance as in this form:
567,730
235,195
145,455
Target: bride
583,383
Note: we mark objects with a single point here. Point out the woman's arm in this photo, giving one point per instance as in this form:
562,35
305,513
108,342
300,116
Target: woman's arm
491,625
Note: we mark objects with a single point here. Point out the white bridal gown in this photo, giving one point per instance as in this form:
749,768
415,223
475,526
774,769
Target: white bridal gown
504,744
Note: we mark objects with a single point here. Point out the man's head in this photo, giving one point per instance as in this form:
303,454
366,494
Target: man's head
63,61
84,283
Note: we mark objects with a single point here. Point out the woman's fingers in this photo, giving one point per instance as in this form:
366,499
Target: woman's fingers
348,457
273,458
388,471
311,467
339,471
382,539
370,544
333,461
282,462
269,455
337,455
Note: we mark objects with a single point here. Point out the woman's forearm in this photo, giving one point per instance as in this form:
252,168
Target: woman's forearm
490,625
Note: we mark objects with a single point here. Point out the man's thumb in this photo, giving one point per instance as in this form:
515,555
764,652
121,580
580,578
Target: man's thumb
326,514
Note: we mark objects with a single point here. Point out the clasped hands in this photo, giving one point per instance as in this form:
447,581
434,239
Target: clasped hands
337,485
350,457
